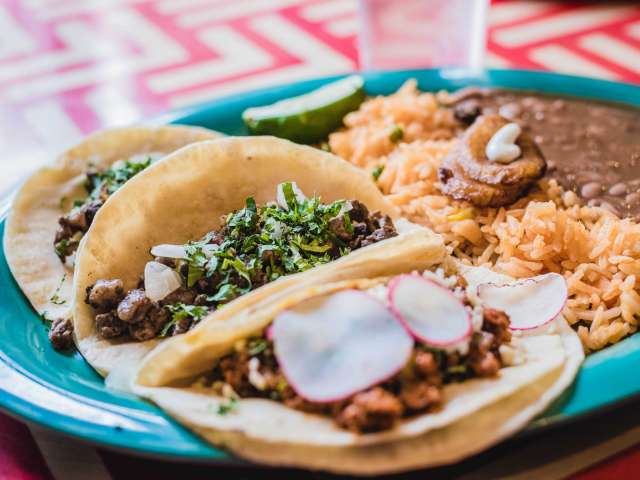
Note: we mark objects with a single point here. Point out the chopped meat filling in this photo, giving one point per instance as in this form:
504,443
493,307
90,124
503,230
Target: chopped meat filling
362,228
418,388
109,325
371,411
148,325
234,271
134,306
99,185
76,221
61,334
105,294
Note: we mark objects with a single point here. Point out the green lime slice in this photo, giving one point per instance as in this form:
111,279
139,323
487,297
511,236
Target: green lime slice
308,118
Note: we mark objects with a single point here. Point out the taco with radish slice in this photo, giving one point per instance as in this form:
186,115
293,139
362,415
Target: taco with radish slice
55,207
371,375
218,226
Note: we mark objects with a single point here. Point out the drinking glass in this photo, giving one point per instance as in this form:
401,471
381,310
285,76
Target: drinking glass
422,33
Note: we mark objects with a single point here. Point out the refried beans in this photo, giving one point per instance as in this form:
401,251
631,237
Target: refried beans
591,147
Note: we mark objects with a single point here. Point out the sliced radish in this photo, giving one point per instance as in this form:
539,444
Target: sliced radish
269,333
160,280
429,311
530,303
332,347
178,251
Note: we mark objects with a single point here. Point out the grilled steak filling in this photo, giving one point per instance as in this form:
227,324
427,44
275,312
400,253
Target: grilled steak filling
99,186
254,246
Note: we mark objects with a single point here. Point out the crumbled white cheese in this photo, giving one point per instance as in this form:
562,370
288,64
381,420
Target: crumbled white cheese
502,147
439,277
255,377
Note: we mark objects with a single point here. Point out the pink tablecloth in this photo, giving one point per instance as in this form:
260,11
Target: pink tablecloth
68,67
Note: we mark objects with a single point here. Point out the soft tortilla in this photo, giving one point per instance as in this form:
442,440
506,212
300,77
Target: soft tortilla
183,197
476,415
48,193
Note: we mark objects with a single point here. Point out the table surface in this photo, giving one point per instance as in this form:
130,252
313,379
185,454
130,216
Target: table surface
69,67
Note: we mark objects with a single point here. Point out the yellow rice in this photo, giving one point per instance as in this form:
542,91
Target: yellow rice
548,231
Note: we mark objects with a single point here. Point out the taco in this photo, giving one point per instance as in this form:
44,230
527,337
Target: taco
222,223
371,375
55,207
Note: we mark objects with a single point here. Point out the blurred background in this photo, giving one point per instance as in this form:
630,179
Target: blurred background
69,67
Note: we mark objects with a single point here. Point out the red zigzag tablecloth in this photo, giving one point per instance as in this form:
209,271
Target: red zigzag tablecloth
68,67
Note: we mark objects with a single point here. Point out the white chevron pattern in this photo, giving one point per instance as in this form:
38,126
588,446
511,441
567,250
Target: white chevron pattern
95,63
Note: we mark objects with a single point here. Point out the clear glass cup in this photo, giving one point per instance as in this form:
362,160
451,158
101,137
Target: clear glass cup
422,33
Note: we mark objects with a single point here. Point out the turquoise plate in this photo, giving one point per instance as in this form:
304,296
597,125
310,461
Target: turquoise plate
63,393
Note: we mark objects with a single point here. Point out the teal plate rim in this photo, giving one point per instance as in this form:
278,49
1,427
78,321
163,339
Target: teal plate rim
61,392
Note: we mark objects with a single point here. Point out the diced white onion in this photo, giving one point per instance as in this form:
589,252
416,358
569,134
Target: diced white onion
255,377
228,392
282,201
178,251
169,251
346,207
160,280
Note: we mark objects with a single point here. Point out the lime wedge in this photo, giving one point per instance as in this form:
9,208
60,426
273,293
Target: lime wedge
308,118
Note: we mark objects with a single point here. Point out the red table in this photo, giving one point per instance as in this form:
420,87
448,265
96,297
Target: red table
68,67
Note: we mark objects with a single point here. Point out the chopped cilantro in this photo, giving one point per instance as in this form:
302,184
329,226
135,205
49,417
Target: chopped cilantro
290,195
225,293
46,321
376,172
346,220
257,346
278,393
61,247
397,134
114,177
438,355
55,298
457,370
196,261
227,407
101,184
263,243
180,311
256,245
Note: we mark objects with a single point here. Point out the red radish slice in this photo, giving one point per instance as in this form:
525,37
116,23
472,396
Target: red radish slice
530,303
332,347
269,333
429,311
